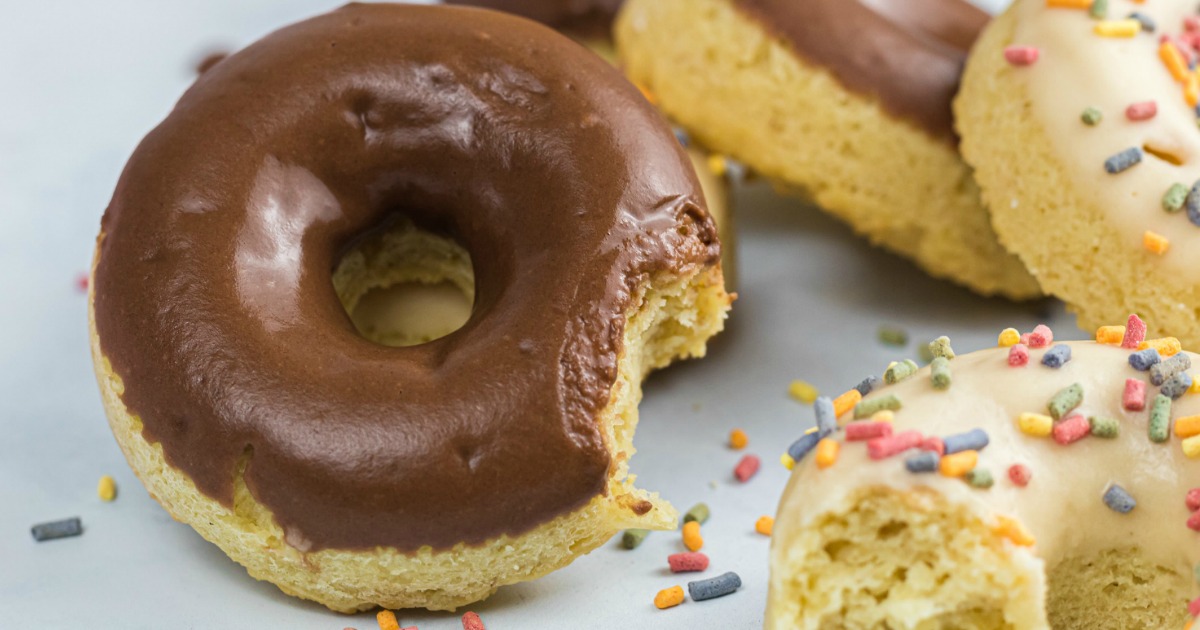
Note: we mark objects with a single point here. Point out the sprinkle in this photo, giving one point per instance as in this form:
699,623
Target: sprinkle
1195,388
65,528
939,373
867,430
687,562
1194,607
803,446
1173,59
1177,386
1192,500
738,439
1020,474
1018,355
1110,334
846,402
923,462
1143,360
1117,28
868,408
1057,356
1021,55
886,415
787,461
1091,116
698,513
669,597
717,165
973,440
1192,204
1104,426
884,447
1160,419
1147,23
632,538
81,282
747,468
868,385
1118,500
1135,331
1008,338
1035,424
1173,199
1014,530
1144,110
1098,10
1065,400
933,443
940,347
764,525
107,488
827,452
646,93
1041,336
714,587
1155,243
893,336
1069,4
691,536
924,353
980,478
826,416
387,620
803,391
1191,447
1161,372
1166,346
958,464
897,372
1193,524
1071,429
1122,161
1187,426
682,137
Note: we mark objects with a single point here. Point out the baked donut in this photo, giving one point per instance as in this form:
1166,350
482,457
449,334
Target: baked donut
1096,211
846,102
970,506
380,144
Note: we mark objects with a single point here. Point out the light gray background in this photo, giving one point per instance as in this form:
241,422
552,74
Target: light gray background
82,81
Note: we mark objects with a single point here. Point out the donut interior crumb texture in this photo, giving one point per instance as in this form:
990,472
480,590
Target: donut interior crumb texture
742,92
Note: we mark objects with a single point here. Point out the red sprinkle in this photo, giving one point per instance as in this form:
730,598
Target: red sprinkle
1191,24
1020,474
933,443
1142,111
471,621
1193,522
1135,332
1041,336
1134,398
867,430
1018,355
1194,607
747,468
1021,55
81,283
884,447
1071,429
687,561
1193,499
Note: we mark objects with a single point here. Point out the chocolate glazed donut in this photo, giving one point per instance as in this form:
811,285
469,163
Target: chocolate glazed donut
214,304
589,16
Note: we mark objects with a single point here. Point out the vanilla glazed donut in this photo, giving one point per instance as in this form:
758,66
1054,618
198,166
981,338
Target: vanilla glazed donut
846,102
954,498
374,145
1105,238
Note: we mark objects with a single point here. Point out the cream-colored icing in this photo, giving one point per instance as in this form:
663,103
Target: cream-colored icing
1077,69
1062,505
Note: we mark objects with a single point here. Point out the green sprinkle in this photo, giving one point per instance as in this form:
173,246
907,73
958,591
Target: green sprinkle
1104,426
1091,116
633,537
1065,400
1196,572
899,371
924,353
1173,199
1160,419
1099,9
698,513
893,336
940,347
940,373
980,478
868,408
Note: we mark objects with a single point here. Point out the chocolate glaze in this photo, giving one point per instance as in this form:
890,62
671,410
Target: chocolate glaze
909,54
214,301
589,18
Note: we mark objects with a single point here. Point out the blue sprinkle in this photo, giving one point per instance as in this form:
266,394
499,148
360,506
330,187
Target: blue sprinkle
682,137
1143,360
868,385
1057,356
1143,19
923,462
1176,386
802,447
1192,201
1164,370
973,440
1118,500
711,588
57,529
1123,160
826,419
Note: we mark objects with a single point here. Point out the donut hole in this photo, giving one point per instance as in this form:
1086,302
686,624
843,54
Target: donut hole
404,286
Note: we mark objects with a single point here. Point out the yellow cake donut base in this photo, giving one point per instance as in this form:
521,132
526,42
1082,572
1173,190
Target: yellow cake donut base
743,93
673,319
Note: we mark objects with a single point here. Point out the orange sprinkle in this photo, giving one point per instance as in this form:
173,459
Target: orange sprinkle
1069,4
387,620
1155,243
1110,334
738,439
669,597
764,525
827,453
1167,346
691,536
1191,90
1014,531
846,402
959,464
1174,61
1187,426
649,96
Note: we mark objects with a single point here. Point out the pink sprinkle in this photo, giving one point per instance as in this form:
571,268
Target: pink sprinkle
1021,55
867,430
81,283
1135,332
409,628
933,443
1024,339
1073,428
1018,355
1041,336
747,468
1193,499
1142,111
1020,474
471,621
1194,606
1134,398
884,447
1191,24
687,562
1193,524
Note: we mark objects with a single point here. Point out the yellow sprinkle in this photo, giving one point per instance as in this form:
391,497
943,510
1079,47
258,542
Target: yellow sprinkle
717,164
1195,386
1155,243
803,391
958,464
1191,90
1035,424
1014,530
738,439
1110,334
1191,447
1118,28
827,453
787,461
846,402
764,525
884,415
387,620
1069,4
107,488
1166,346
1009,337
1173,59
691,536
669,597
1187,426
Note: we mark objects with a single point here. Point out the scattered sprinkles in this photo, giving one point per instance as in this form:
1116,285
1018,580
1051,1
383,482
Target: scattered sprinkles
106,489
1110,335
1091,116
939,373
1134,397
973,440
1119,500
738,439
1008,338
1071,429
899,371
1155,243
632,538
893,336
979,478
699,513
691,536
1118,28
1035,424
1065,401
1123,161
387,620
1135,332
687,562
1018,355
1160,419
1143,360
1177,386
868,408
1173,199
827,452
1163,371
1166,346
848,400
826,416
1057,356
53,530
867,430
1014,530
764,525
803,391
1020,475
958,464
1104,427
1021,55
669,598
923,462
747,468
712,588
